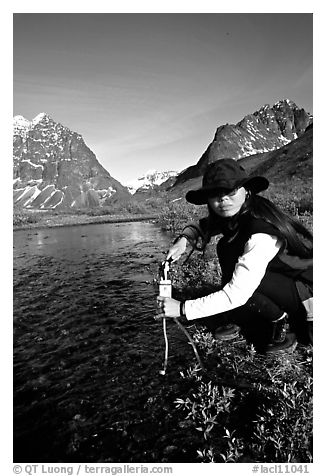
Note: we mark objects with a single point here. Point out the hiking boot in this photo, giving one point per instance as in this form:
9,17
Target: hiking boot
289,345
281,340
227,332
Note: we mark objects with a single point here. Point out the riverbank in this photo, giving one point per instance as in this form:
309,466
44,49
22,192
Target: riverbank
50,221
88,354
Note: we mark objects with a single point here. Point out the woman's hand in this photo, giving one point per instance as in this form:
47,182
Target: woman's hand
167,307
177,250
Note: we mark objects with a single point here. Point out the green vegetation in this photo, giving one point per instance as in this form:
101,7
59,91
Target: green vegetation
22,217
249,408
295,198
245,407
131,207
52,218
175,215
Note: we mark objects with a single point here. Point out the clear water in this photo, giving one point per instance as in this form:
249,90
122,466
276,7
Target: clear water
87,351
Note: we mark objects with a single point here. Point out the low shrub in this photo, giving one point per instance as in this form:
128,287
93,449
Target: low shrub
175,215
294,197
247,407
22,217
126,208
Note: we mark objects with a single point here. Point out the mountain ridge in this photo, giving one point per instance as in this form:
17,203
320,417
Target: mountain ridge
54,168
267,129
149,180
289,164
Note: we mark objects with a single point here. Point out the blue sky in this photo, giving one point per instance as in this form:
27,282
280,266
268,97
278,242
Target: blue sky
147,91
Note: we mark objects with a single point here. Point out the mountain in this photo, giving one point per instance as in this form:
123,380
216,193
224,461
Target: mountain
150,180
267,129
54,168
292,161
290,164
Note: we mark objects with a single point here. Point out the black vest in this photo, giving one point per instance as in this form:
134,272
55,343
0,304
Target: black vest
230,248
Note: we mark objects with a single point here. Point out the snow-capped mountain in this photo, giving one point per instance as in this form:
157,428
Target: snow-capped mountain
21,126
290,165
149,180
54,168
267,129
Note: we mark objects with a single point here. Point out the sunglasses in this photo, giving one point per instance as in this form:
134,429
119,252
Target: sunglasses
220,193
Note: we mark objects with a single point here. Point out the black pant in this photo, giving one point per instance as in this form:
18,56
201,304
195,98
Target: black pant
275,295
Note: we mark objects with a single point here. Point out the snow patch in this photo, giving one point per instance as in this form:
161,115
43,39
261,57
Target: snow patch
26,190
284,140
48,198
38,118
21,121
110,191
32,198
150,179
21,126
31,163
55,206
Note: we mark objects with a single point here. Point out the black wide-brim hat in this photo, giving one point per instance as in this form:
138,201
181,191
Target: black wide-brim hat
225,174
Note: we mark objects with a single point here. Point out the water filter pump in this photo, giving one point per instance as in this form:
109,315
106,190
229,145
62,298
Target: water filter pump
165,283
165,290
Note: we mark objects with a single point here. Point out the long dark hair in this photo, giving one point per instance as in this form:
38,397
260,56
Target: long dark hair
297,239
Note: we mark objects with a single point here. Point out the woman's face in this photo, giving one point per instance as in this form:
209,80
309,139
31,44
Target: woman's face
228,204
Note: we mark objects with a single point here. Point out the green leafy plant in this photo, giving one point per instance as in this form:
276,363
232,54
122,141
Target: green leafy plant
22,217
175,215
249,407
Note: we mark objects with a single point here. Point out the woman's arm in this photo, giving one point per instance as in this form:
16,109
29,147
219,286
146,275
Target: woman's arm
250,269
190,234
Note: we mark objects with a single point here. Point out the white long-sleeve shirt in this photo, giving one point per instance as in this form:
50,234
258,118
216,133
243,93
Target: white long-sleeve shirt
250,269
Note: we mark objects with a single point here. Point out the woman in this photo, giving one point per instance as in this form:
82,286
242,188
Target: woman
265,258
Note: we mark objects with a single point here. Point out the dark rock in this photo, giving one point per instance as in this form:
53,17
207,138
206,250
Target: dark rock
54,168
268,129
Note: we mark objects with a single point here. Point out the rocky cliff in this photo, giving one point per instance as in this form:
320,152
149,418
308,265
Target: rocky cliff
267,129
289,165
54,168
